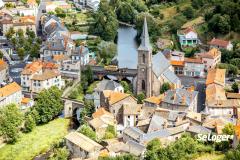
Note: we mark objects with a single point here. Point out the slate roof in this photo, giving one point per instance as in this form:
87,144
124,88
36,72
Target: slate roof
199,129
135,148
180,96
171,76
106,85
157,123
159,63
133,132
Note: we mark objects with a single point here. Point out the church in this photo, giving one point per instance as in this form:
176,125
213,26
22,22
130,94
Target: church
153,70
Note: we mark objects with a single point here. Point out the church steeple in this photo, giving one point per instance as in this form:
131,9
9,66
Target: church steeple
145,43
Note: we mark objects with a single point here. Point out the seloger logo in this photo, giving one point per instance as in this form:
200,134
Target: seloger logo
214,138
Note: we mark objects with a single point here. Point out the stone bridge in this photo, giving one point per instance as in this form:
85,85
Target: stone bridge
121,73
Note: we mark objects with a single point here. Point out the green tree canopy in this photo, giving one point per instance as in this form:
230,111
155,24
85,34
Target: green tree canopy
87,131
10,120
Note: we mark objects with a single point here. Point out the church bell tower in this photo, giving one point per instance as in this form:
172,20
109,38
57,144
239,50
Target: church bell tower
144,67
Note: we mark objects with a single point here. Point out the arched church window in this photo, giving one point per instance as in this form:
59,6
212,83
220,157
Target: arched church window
143,85
143,59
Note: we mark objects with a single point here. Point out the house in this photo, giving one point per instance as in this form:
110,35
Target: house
195,118
10,94
39,75
26,103
217,103
81,146
166,136
220,44
57,44
91,4
131,113
3,71
114,102
29,9
83,54
188,37
180,100
23,23
194,67
101,120
178,67
105,85
210,58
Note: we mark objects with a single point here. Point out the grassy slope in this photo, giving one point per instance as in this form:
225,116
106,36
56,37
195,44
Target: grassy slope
213,156
38,141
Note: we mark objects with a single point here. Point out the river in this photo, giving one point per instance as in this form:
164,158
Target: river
127,48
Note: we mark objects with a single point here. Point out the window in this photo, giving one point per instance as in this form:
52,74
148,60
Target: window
143,58
143,85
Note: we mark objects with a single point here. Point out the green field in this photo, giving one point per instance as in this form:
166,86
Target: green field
38,141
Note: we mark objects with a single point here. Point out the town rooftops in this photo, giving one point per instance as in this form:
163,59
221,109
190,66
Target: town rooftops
216,76
60,57
31,2
180,97
211,54
219,42
3,65
114,97
228,103
233,95
187,30
83,142
157,123
10,89
194,116
25,100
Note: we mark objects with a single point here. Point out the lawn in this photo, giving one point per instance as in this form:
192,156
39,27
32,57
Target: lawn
213,156
38,141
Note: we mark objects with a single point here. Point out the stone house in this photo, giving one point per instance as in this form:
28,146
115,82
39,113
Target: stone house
220,44
131,113
81,146
114,102
101,120
194,67
180,100
210,58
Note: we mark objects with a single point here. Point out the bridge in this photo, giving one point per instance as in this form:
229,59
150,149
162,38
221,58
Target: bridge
71,107
121,73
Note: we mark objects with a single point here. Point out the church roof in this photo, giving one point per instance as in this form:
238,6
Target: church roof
160,64
145,43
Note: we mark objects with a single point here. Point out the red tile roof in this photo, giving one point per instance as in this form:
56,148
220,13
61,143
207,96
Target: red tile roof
219,42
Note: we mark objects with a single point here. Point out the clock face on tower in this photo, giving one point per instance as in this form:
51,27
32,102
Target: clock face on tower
143,69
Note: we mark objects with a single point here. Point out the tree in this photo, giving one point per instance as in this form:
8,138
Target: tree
29,124
87,131
10,33
21,53
106,23
48,104
1,55
233,154
106,51
127,88
125,12
10,120
229,129
60,12
165,86
110,132
60,154
219,23
140,98
235,87
189,12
